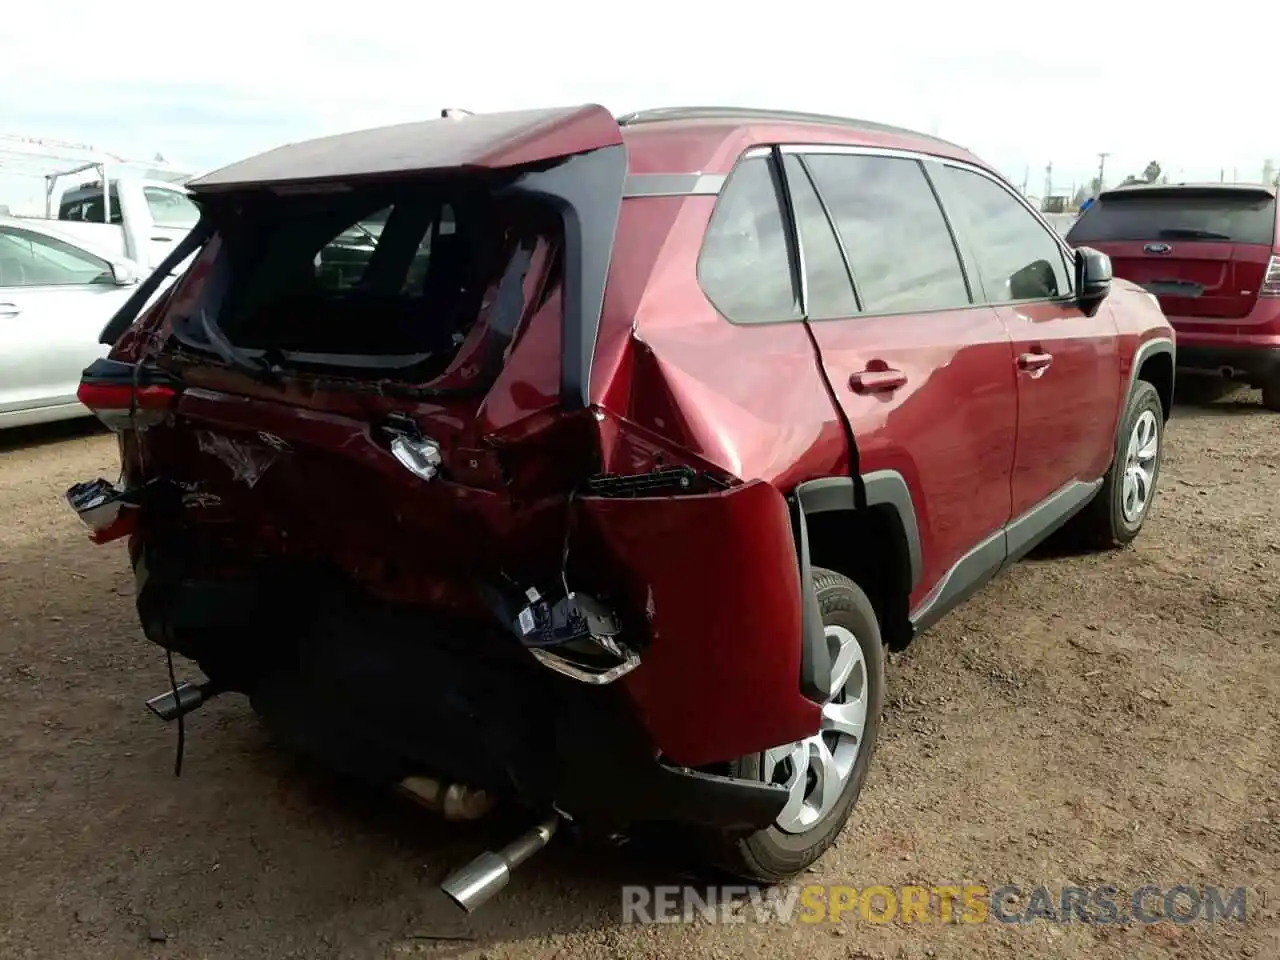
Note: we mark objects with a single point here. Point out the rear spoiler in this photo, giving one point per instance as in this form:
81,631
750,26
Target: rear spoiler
1242,191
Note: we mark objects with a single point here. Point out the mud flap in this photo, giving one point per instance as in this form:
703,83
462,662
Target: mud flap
815,655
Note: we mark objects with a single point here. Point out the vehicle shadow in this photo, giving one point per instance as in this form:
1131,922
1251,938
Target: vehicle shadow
1196,400
44,434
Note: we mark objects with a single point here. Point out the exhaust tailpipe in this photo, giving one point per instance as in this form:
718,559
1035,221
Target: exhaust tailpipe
470,887
186,697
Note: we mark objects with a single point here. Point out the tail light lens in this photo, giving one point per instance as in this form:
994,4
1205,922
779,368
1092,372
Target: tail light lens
1271,282
123,398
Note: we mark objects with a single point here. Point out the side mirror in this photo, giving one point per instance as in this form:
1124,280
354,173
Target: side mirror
124,274
1093,278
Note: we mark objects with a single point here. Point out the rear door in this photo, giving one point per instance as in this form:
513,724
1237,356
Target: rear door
1068,362
924,376
1203,251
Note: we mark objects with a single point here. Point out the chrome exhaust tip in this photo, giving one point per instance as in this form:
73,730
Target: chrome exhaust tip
473,885
186,697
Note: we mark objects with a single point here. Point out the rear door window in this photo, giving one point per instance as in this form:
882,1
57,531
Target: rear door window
745,265
1017,256
900,248
827,277
1178,214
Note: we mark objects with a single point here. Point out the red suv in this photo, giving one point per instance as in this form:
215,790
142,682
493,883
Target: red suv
594,463
1211,255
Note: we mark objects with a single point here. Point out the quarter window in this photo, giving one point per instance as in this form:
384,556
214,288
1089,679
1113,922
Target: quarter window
900,248
745,265
1019,258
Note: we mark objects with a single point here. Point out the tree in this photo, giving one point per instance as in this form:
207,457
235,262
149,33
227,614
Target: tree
1081,196
1152,172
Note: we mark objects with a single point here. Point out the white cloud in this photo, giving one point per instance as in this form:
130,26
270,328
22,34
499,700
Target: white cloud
1021,84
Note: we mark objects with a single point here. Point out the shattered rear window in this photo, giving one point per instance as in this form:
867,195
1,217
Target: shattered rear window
357,277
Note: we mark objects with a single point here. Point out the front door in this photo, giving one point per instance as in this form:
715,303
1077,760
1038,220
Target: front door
1068,363
924,376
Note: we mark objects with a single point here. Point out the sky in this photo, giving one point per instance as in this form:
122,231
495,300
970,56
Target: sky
1020,84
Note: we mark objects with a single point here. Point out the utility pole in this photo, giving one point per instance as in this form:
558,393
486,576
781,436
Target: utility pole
1102,170
1048,180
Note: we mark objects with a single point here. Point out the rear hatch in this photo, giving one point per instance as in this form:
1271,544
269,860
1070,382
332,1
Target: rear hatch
381,354
1204,251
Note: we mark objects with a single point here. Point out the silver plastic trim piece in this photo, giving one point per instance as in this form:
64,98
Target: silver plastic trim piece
673,185
549,659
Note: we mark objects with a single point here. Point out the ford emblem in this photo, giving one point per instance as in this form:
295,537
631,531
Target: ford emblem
1157,248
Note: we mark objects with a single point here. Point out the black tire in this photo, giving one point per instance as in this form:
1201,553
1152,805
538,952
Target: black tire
772,855
1271,392
1103,523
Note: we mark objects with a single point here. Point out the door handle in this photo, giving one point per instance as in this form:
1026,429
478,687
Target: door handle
1035,362
162,239
877,381
9,309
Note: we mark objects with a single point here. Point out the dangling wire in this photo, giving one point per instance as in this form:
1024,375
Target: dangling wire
182,730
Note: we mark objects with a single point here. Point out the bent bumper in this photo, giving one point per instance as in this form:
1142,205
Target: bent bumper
381,693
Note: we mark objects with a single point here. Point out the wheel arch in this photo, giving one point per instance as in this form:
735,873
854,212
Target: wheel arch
1154,362
836,518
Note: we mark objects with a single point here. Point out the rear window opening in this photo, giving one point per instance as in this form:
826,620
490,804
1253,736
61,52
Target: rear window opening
1222,216
412,282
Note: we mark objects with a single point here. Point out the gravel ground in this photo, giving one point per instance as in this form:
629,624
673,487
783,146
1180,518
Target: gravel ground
1090,719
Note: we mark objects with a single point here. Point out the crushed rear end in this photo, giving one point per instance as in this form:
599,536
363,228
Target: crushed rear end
370,480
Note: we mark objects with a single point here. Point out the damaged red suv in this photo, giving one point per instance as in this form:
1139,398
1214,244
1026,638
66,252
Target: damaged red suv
592,464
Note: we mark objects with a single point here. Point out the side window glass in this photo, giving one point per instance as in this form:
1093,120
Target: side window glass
1019,258
33,260
902,253
745,267
827,275
170,208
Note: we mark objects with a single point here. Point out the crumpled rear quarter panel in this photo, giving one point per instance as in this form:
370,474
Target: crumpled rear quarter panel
717,577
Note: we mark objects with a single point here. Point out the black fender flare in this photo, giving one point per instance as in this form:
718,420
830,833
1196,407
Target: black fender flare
1145,351
880,488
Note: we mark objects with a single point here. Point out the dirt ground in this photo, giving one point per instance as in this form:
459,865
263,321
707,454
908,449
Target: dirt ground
1084,720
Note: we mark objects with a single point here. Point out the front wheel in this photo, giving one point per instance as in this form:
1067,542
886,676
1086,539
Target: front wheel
1117,513
824,773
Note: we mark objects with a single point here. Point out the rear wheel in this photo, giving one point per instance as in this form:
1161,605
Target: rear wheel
823,773
1271,391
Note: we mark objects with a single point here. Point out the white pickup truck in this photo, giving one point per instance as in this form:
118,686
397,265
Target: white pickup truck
136,218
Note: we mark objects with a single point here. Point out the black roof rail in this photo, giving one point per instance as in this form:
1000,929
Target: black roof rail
747,114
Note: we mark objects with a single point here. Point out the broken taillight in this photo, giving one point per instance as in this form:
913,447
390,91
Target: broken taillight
109,512
127,396
124,407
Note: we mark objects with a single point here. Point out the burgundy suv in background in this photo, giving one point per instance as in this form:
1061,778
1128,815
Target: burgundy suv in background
1211,255
603,471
